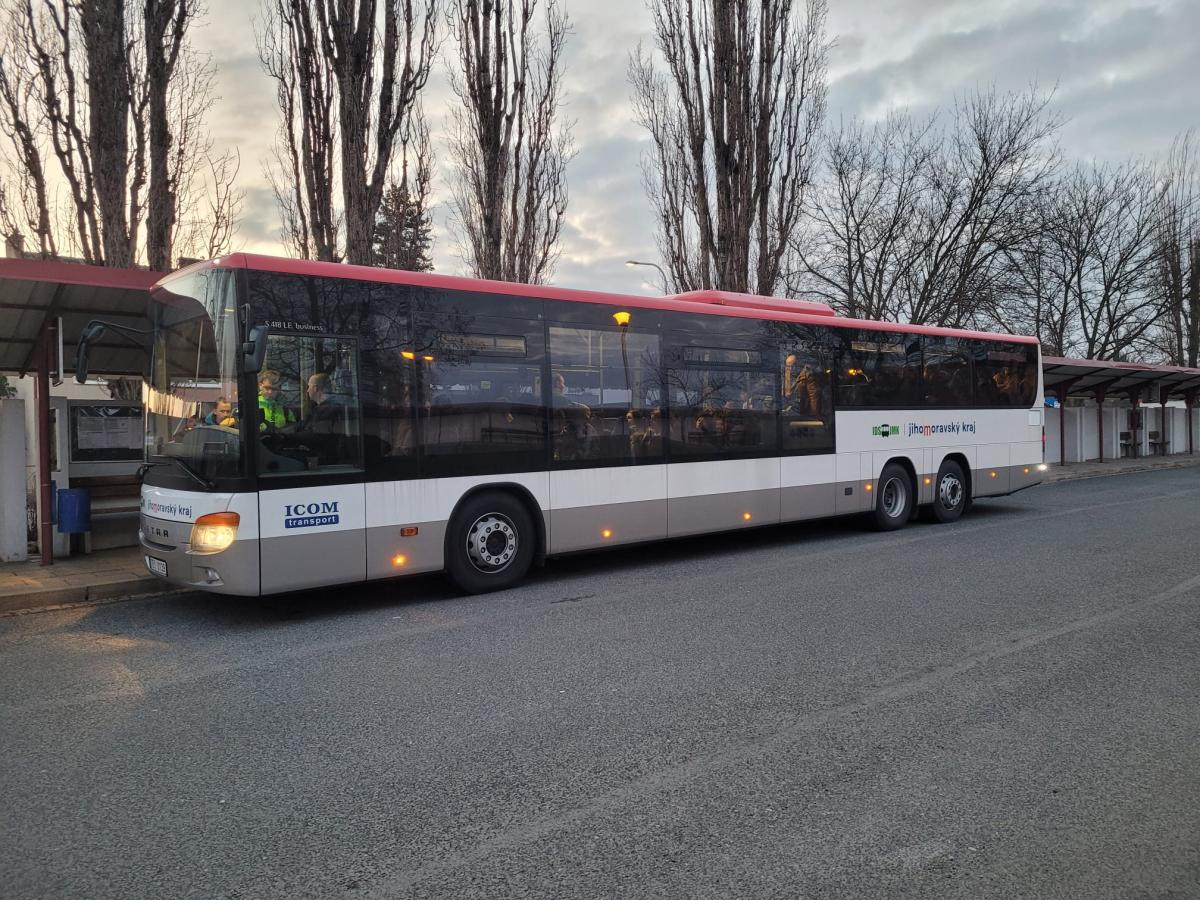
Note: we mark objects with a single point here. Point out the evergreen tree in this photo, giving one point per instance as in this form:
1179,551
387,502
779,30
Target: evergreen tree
403,232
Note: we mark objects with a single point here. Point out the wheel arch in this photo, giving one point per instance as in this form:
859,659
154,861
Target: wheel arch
524,496
907,465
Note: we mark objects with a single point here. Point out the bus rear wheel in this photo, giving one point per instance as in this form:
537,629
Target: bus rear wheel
490,543
949,492
894,498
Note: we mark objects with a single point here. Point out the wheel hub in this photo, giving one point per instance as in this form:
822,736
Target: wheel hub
894,497
950,491
491,543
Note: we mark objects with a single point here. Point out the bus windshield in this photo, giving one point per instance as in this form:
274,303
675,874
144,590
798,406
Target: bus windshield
193,412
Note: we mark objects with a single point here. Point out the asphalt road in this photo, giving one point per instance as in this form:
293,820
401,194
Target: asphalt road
1003,707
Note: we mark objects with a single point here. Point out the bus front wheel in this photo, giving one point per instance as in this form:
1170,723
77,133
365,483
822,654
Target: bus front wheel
490,543
894,498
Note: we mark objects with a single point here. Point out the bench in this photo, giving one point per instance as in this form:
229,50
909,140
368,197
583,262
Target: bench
1127,448
1156,440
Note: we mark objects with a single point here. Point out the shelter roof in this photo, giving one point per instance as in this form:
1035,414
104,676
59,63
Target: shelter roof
33,292
1087,377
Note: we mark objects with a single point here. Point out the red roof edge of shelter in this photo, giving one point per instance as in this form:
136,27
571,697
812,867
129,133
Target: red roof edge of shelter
1109,364
807,312
56,272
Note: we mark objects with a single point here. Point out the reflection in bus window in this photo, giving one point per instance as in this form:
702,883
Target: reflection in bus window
308,406
806,409
605,396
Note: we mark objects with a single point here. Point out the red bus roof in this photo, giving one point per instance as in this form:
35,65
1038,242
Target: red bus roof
725,303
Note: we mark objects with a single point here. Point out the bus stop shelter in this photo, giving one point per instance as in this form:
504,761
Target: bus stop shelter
44,307
1135,382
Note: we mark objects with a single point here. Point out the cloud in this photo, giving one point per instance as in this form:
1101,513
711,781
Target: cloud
1123,73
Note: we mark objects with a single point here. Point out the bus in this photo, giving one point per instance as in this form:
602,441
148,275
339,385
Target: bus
374,423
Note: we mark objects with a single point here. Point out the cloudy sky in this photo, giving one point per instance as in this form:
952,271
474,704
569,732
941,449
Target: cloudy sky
1124,75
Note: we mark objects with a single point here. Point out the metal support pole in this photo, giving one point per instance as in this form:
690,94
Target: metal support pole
45,527
1061,391
1189,400
1100,414
1135,400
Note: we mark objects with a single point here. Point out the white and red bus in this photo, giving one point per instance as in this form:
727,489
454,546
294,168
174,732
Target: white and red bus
376,423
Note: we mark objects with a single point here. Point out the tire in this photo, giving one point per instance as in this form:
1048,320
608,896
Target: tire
490,543
895,496
950,498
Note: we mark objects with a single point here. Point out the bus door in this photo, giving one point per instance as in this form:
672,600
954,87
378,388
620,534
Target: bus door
309,459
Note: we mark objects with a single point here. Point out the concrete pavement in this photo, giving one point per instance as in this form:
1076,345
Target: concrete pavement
1001,707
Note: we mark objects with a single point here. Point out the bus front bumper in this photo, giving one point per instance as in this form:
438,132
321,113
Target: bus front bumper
165,553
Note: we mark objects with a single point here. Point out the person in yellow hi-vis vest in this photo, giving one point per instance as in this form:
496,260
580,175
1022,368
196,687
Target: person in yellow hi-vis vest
272,413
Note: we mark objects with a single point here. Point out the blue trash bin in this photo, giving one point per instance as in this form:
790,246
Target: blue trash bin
74,511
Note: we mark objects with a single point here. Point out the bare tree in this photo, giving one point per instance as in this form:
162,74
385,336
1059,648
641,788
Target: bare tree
509,146
348,80
1088,280
733,117
101,108
911,221
1178,223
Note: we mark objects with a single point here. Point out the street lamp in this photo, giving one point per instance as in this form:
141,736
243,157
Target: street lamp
622,319
630,263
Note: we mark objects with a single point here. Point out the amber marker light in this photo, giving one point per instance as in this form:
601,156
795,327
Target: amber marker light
214,532
408,354
399,561
746,517
929,481
867,486
606,533
1027,470
408,531
621,318
993,474
427,358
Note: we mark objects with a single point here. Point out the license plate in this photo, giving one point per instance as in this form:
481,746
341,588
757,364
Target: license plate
157,566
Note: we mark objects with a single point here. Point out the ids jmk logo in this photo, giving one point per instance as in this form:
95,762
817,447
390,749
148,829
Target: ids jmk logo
885,430
309,515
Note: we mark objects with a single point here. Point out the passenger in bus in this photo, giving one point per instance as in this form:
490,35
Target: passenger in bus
272,413
222,414
1006,384
324,416
572,422
801,389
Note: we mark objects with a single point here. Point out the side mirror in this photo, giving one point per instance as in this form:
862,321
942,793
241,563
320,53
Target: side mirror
254,351
89,334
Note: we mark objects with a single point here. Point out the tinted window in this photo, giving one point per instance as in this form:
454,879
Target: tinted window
806,413
946,373
606,394
721,411
1005,373
307,409
879,369
481,399
389,391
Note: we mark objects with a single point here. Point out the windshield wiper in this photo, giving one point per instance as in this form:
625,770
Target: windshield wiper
192,473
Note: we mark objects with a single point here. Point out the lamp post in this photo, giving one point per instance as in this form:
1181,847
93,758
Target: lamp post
630,263
622,319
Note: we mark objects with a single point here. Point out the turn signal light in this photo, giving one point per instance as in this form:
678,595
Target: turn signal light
214,532
399,561
408,531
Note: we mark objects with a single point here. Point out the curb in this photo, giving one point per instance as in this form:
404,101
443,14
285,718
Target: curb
1056,477
57,598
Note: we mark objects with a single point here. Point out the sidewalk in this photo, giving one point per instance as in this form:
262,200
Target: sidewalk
1095,469
103,575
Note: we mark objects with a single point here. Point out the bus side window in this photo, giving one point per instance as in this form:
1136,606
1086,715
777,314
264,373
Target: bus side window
307,408
805,395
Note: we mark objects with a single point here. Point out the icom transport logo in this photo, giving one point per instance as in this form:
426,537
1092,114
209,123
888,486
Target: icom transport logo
310,515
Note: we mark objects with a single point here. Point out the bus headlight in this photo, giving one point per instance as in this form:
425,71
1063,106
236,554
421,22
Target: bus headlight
214,532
